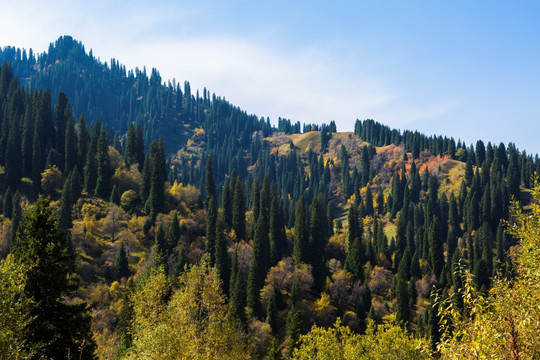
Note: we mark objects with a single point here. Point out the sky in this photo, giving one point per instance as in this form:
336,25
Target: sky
466,69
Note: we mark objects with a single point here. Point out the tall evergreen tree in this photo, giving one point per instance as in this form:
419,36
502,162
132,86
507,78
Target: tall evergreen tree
211,222
301,233
221,257
239,209
61,116
60,329
210,186
70,149
318,243
104,171
121,264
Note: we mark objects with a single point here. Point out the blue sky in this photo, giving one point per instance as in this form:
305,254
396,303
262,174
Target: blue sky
467,69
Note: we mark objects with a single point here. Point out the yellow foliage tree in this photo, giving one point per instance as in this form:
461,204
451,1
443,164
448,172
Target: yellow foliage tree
51,180
381,342
193,325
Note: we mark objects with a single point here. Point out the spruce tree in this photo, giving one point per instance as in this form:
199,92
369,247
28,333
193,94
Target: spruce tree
257,270
436,247
278,239
402,301
237,311
221,257
70,151
239,209
173,234
318,244
210,186
104,171
121,262
211,221
90,169
62,110
58,328
301,233
115,195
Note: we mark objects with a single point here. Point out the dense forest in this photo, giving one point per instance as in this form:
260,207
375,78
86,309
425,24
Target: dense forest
140,220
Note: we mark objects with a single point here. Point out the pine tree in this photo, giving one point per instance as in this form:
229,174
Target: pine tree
16,220
295,320
90,169
402,301
211,221
221,257
59,328
239,209
318,244
121,262
210,186
436,247
226,203
160,249
271,313
62,108
155,202
278,239
104,171
115,195
173,234
237,311
257,269
65,219
301,233
70,150
82,143
13,154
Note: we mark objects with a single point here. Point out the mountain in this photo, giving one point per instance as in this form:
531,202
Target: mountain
173,202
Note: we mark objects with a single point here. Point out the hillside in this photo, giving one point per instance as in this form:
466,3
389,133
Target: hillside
178,212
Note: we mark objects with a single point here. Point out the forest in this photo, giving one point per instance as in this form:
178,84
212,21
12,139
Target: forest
140,220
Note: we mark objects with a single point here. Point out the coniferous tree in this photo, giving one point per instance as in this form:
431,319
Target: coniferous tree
436,247
211,221
27,139
294,319
278,239
90,169
210,186
121,262
82,143
7,206
173,234
160,249
271,313
301,233
239,209
16,219
115,195
59,328
104,171
402,301
65,219
257,269
318,244
227,203
70,149
221,257
61,116
156,197
237,311
146,179
13,154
